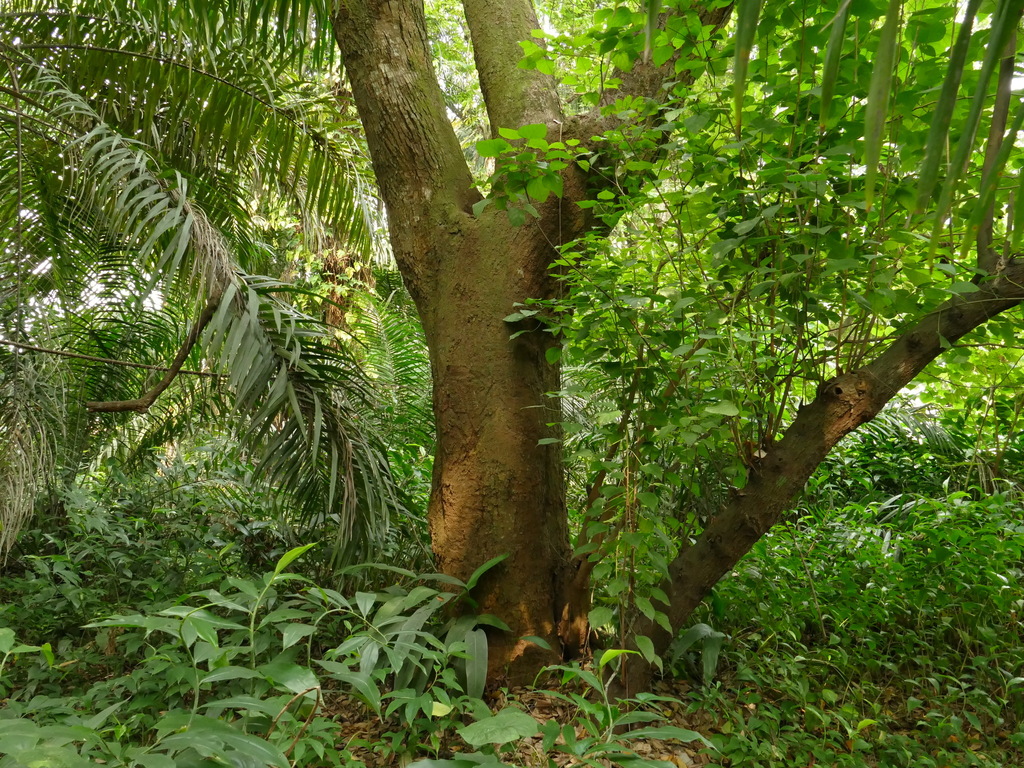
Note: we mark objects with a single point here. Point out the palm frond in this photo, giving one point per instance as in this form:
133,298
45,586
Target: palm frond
32,409
136,145
397,360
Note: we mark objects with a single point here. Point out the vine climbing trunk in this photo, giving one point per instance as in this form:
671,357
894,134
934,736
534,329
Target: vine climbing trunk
498,485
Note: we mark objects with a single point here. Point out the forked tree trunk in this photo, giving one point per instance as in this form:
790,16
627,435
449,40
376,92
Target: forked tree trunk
496,489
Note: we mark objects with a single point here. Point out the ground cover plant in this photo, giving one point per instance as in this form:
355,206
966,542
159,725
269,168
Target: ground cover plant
896,640
551,381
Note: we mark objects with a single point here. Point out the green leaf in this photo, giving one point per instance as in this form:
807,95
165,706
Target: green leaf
538,189
669,732
724,408
290,556
534,131
481,570
600,616
213,738
284,673
361,683
646,647
439,709
609,655
247,704
963,286
473,760
516,216
292,633
230,673
510,724
476,662
539,641
492,147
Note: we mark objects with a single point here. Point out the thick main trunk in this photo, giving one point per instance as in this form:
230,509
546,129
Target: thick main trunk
496,489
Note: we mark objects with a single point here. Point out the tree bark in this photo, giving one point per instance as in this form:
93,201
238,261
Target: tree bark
496,489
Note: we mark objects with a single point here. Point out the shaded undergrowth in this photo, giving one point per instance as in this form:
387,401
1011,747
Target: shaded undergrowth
881,634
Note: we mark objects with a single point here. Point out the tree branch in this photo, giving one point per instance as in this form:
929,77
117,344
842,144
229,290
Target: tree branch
107,360
142,404
841,405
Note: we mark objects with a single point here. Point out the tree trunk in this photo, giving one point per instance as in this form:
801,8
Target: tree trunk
497,490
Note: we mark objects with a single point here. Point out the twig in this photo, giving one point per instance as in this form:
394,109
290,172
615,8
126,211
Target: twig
110,361
142,404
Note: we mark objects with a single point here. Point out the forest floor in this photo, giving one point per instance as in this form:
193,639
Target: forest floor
362,733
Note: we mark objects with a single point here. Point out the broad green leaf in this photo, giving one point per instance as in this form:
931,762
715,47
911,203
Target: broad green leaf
534,131
247,704
492,147
363,686
291,556
600,616
724,408
646,647
214,738
439,709
669,732
508,725
285,673
609,655
230,673
292,633
476,662
474,760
